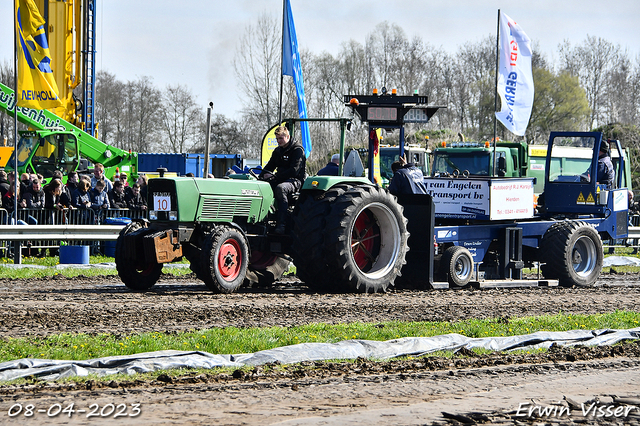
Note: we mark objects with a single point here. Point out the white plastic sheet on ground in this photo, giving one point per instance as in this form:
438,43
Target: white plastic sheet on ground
46,369
620,261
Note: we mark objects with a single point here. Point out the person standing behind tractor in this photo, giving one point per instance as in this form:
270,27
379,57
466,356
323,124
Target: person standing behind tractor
24,183
53,201
331,169
285,171
52,195
142,181
407,178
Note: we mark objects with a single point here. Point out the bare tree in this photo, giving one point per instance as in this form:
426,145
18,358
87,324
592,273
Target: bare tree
111,97
143,115
227,136
384,49
634,92
591,62
352,77
411,70
257,68
618,99
468,88
181,118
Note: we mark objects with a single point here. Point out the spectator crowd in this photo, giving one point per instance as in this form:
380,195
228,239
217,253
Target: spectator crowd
82,192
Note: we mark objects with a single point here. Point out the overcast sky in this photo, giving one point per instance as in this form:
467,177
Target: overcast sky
192,42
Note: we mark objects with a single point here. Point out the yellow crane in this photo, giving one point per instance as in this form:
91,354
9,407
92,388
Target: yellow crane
69,23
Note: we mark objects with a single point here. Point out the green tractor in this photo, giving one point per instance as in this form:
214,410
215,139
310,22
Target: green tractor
343,234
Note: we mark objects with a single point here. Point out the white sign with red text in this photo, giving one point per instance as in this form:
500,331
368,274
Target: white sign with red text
511,199
473,198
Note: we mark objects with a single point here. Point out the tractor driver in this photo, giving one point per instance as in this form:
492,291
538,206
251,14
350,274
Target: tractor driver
285,171
605,174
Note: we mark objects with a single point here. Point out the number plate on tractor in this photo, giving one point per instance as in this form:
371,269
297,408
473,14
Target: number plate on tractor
161,201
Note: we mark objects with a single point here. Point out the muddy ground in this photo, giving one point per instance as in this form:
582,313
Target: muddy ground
468,389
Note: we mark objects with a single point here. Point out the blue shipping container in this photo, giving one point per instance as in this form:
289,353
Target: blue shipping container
188,163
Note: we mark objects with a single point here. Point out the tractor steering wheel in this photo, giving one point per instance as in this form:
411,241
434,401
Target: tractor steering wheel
252,173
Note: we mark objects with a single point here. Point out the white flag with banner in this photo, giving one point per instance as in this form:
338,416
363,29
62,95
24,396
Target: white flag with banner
515,79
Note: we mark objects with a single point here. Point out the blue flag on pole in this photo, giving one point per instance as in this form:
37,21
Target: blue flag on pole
291,66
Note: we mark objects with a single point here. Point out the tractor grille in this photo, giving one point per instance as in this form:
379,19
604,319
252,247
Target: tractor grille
224,209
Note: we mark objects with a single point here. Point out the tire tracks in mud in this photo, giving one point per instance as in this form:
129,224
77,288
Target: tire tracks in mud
104,305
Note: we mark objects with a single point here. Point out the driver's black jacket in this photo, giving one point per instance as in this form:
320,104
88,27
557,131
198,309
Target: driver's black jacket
288,162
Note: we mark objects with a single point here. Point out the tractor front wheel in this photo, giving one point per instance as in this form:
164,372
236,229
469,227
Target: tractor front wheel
225,256
138,276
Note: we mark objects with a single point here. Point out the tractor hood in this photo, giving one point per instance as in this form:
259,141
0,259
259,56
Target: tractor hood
185,199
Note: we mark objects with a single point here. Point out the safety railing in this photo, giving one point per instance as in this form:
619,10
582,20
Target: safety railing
49,221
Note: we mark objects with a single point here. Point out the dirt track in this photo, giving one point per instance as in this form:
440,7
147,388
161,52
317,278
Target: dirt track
328,393
84,305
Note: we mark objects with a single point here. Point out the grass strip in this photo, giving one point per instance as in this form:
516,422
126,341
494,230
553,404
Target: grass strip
232,340
7,271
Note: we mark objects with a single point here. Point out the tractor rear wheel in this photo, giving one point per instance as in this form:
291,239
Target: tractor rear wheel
138,277
309,225
572,252
225,256
365,240
457,265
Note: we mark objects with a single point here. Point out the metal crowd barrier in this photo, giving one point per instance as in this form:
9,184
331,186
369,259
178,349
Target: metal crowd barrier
69,217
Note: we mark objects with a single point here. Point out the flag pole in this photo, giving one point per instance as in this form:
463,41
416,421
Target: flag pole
284,16
17,249
495,95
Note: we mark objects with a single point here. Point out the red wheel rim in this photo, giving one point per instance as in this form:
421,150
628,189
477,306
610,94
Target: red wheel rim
229,259
363,240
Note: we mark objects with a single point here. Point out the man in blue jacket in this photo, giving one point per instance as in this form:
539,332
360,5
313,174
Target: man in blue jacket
407,178
331,169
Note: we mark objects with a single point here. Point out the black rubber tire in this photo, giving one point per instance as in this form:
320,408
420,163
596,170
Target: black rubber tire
309,224
265,269
135,277
365,240
572,252
457,266
225,256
